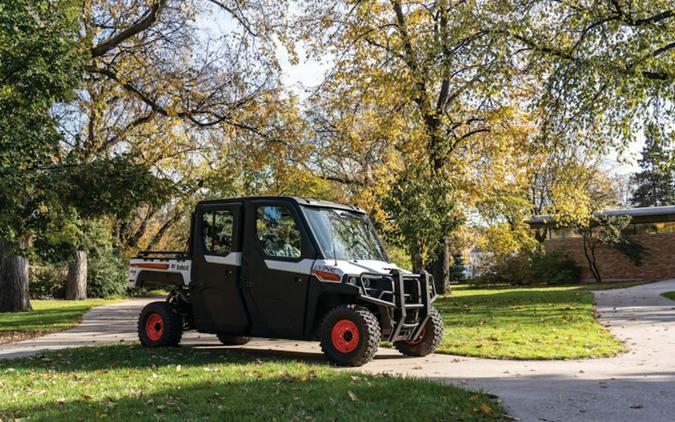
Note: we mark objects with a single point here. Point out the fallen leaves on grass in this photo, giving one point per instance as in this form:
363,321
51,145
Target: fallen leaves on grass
486,410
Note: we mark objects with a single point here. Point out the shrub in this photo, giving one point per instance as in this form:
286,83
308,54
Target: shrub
47,282
106,275
531,267
554,268
513,269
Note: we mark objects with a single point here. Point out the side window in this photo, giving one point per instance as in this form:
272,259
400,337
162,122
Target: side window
217,229
277,231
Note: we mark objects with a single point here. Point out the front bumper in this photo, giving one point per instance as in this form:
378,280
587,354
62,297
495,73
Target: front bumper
404,301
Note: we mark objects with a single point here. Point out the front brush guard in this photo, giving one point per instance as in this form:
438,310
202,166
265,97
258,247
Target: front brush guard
407,299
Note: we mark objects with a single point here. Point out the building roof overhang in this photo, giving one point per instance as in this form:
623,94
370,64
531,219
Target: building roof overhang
639,215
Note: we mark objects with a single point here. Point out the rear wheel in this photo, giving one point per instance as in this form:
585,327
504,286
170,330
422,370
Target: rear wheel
159,325
350,335
429,339
233,340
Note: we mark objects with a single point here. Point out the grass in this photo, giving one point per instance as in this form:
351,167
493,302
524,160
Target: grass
132,383
669,295
524,323
611,285
47,316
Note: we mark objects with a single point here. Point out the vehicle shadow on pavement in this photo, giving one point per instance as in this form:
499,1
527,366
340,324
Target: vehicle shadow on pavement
305,355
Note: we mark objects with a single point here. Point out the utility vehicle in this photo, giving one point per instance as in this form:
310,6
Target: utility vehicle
291,268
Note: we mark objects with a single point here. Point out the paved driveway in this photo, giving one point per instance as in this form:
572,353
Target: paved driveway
639,385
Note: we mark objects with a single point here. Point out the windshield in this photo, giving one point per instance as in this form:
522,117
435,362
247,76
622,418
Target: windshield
345,235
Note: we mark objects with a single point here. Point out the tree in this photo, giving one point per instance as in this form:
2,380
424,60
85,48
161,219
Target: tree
457,270
423,214
605,67
103,188
608,231
200,104
656,182
578,201
39,65
414,84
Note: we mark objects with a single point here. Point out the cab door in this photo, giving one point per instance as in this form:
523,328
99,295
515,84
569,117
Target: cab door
277,263
217,302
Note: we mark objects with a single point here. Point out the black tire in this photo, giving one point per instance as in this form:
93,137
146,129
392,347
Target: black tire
350,335
160,325
233,340
429,340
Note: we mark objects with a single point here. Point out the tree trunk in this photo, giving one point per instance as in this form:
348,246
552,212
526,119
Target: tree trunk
589,253
162,230
14,295
76,283
440,268
415,256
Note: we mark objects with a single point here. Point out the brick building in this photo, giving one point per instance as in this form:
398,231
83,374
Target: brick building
651,227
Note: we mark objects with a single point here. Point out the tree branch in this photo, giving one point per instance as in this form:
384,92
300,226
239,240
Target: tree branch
162,230
238,17
145,22
650,20
133,240
663,49
343,179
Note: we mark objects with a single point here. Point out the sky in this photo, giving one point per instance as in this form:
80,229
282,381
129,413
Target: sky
628,164
307,74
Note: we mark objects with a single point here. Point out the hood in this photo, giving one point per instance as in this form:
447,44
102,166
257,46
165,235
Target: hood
357,267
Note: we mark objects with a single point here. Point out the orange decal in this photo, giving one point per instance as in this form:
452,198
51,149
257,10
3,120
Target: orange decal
151,265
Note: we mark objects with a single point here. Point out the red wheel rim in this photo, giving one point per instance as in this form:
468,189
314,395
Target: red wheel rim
419,339
154,326
345,336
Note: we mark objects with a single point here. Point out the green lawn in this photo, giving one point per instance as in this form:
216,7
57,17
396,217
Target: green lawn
669,295
524,323
47,316
124,382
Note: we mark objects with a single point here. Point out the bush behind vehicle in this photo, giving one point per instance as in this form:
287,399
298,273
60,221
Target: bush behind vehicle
530,267
106,276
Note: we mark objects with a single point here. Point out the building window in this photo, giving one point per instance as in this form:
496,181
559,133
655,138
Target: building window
654,228
563,233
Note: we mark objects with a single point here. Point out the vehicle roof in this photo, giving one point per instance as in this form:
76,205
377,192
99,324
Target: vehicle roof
307,202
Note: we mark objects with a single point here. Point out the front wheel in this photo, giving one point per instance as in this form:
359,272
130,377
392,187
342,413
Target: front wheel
428,341
350,335
159,325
